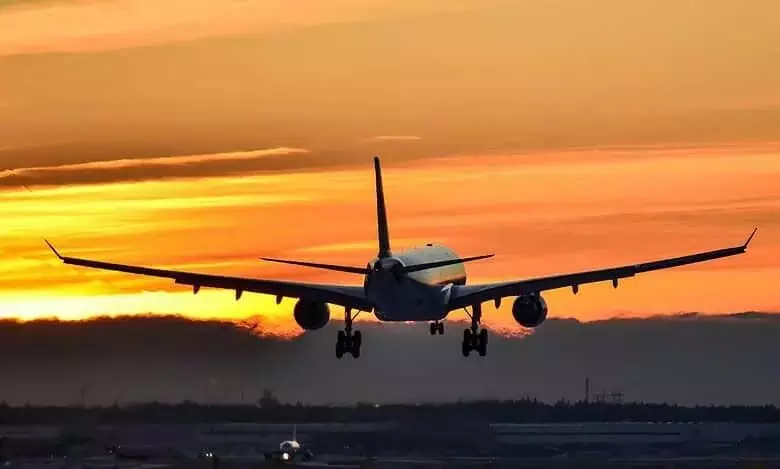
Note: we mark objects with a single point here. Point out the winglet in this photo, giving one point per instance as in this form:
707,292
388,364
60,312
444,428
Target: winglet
750,238
53,249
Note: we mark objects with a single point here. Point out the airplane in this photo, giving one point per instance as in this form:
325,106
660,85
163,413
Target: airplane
417,285
291,451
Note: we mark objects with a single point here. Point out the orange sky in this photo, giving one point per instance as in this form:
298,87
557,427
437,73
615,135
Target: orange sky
559,135
540,213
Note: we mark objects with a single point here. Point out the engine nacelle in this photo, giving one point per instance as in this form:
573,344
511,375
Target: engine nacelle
311,315
529,310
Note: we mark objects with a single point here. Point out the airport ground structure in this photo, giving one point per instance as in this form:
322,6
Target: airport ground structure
524,432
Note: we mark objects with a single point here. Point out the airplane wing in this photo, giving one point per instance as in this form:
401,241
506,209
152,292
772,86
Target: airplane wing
347,296
468,295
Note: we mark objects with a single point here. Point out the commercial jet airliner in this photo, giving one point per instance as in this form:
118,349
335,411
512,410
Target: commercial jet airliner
421,284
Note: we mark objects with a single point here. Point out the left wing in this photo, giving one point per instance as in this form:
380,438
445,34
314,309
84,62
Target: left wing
468,295
347,296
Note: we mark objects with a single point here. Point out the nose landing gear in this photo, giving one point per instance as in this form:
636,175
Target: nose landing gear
437,328
348,341
475,338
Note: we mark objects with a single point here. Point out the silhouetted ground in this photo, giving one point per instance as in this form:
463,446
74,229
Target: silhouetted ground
449,413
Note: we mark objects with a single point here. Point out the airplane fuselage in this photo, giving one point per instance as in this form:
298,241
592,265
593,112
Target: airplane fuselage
415,296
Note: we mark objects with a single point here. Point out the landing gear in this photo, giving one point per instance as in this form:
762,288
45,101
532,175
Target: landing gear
474,338
348,341
437,328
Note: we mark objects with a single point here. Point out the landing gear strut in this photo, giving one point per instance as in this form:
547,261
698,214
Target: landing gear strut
474,338
437,328
348,341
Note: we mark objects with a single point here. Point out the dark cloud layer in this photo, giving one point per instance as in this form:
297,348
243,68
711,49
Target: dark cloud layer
33,166
686,359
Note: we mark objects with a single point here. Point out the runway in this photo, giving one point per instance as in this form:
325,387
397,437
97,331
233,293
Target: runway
397,444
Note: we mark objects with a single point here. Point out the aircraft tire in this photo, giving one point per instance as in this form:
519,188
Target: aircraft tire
467,345
357,341
482,342
433,328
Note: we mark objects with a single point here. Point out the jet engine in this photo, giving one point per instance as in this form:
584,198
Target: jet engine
529,310
311,315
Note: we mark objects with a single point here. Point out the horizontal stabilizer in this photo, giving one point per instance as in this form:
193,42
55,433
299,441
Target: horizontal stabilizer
433,265
364,271
337,268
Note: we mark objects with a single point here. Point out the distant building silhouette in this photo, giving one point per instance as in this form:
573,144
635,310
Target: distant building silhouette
268,401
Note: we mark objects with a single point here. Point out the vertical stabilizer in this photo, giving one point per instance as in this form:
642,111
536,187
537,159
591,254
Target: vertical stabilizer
295,433
383,231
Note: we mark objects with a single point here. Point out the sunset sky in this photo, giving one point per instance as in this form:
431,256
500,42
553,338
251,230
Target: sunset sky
558,135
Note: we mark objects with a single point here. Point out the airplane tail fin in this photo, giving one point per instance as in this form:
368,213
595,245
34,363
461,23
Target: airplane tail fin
383,235
383,232
295,433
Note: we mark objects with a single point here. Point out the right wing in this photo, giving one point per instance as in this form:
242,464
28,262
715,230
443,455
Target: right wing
346,296
469,295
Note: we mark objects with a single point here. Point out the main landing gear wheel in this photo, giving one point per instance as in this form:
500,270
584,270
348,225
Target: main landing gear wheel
474,338
348,341
474,341
437,328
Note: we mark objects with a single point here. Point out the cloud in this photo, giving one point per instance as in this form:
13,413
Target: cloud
72,26
348,81
693,359
143,168
395,138
172,160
